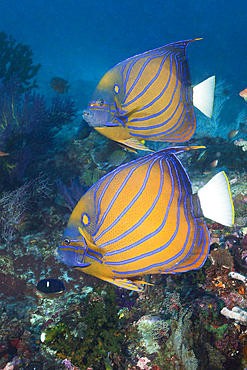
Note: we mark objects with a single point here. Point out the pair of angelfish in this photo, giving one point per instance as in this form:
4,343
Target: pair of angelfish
142,217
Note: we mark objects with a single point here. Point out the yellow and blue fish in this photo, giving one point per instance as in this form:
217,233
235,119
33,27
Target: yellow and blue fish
142,218
149,97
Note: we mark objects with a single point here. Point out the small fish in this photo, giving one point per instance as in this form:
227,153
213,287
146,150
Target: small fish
83,131
149,97
2,154
107,362
59,85
142,218
243,94
232,134
116,158
50,286
214,163
60,201
203,156
34,366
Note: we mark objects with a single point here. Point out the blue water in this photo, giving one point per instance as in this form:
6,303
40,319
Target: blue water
81,40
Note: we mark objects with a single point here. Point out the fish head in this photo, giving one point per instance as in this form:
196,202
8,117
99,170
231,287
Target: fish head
77,235
98,111
105,104
72,250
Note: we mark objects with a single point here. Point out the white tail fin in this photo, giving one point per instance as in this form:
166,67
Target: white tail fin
203,96
216,200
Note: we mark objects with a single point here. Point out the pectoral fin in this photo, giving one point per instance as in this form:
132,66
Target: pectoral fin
112,124
133,111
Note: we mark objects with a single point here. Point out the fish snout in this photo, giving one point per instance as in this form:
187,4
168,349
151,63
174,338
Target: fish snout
67,257
88,116
71,258
58,254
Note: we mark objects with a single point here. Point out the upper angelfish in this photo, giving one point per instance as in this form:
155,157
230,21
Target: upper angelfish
149,97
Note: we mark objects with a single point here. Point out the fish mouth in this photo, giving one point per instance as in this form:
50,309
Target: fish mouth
70,262
71,259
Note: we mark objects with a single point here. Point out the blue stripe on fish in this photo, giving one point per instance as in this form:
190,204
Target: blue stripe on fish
127,208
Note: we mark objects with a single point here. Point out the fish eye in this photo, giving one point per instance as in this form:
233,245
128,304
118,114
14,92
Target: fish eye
66,241
101,102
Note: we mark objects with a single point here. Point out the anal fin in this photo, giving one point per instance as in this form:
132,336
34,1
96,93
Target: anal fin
131,144
126,283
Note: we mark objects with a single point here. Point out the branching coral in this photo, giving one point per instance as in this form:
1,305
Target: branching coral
14,203
16,59
12,207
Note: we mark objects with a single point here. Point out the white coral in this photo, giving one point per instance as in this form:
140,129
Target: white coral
239,315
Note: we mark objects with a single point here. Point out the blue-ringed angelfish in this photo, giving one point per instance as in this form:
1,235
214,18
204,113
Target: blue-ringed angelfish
149,97
142,218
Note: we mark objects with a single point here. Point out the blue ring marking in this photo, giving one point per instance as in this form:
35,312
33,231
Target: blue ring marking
116,89
86,220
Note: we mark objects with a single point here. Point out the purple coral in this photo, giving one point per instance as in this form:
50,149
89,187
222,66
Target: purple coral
72,194
19,113
62,111
27,127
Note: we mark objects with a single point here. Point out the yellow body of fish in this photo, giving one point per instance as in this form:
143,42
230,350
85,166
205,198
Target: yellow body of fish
139,219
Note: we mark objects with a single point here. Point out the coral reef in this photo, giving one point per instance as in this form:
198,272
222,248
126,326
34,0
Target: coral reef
101,333
176,323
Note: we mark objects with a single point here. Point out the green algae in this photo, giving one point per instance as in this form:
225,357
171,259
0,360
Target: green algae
101,336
